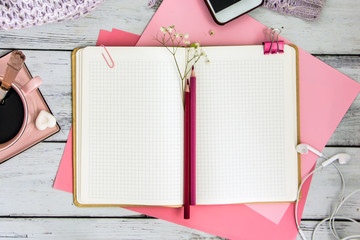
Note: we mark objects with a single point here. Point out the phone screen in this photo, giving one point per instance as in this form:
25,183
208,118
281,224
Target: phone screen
219,5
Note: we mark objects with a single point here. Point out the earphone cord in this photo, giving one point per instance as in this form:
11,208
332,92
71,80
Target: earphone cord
297,202
332,218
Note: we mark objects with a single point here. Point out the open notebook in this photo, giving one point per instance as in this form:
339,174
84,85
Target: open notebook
128,137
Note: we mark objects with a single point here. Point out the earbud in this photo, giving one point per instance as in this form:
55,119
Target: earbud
342,157
304,149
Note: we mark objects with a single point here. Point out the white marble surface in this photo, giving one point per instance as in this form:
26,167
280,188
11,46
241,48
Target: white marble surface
30,208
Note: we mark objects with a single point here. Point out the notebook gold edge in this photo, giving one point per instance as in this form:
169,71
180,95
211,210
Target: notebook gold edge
73,78
76,202
298,109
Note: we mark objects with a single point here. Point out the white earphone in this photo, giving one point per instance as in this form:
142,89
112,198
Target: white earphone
304,149
343,159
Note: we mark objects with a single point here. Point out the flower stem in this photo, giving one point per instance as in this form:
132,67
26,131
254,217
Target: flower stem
193,53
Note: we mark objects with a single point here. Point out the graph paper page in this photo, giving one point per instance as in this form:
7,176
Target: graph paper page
246,126
131,134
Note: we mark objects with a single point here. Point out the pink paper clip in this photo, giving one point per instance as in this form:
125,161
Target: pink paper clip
113,64
269,46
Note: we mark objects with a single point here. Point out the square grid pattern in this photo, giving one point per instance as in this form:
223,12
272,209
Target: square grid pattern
240,133
135,134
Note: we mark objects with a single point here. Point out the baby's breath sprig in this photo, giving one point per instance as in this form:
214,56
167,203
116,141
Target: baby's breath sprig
172,40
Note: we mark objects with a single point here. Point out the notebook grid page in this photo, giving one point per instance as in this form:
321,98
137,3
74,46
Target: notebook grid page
240,133
135,134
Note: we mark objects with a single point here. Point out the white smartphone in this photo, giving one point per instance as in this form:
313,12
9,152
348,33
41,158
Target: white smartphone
224,11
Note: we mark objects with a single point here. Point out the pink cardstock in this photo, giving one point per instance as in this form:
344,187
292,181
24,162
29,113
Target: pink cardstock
116,38
325,96
64,176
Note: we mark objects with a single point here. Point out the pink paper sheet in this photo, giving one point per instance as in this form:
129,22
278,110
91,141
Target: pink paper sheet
64,176
325,96
117,38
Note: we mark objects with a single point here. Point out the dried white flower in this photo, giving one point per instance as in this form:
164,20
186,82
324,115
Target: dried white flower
172,40
195,45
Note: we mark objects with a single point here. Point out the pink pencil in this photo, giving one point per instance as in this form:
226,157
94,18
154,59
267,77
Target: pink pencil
187,153
193,138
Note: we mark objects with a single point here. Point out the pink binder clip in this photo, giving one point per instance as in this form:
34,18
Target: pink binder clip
273,46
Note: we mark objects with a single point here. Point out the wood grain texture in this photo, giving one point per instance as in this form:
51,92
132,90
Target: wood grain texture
95,228
26,187
31,208
336,32
343,228
117,228
27,180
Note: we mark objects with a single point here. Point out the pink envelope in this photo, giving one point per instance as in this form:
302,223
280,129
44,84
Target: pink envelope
325,96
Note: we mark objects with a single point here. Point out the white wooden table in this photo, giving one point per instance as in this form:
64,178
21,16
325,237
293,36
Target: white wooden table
31,208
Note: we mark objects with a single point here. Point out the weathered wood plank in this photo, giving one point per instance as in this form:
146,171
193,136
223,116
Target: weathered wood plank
336,32
95,228
26,187
343,228
55,69
117,228
26,180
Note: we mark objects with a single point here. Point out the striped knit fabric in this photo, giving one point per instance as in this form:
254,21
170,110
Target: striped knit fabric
306,9
26,13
